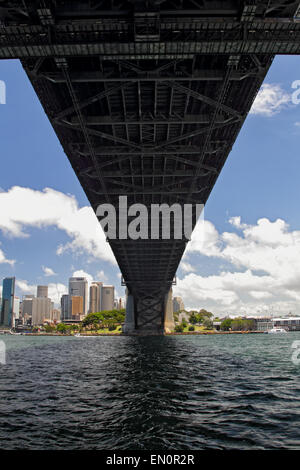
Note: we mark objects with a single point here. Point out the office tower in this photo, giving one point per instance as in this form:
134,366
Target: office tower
42,291
78,286
41,310
178,304
95,297
76,305
64,307
16,307
8,293
107,297
27,305
120,306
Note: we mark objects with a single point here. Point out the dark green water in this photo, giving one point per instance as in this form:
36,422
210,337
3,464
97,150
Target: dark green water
168,393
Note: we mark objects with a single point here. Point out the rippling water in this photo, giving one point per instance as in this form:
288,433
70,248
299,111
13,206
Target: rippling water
160,393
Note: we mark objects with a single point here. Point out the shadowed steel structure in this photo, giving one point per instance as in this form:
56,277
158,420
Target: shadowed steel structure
147,99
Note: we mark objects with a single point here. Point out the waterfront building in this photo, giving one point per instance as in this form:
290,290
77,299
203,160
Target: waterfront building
64,307
27,306
95,297
107,297
42,291
178,304
7,305
76,305
16,309
78,286
41,310
289,323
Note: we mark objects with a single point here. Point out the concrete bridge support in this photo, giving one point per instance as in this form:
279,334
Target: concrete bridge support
148,315
169,318
129,325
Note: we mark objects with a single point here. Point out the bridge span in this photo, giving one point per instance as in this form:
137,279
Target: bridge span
147,98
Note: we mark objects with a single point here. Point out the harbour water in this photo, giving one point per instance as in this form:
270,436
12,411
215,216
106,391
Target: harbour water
160,393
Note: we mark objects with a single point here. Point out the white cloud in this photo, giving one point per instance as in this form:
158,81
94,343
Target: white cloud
22,208
265,261
101,276
48,271
187,267
270,100
3,259
82,273
55,290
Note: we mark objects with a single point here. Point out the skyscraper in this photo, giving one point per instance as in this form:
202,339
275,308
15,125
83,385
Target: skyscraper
95,297
8,294
64,307
41,310
178,304
76,305
78,286
107,297
42,291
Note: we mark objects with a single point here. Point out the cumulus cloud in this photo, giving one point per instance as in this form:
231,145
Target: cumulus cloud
22,208
270,100
265,261
101,276
55,290
48,271
3,259
82,273
187,267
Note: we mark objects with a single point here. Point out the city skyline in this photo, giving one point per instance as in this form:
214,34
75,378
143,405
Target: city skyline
249,263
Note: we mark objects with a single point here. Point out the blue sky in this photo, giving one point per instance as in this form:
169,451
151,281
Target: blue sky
245,265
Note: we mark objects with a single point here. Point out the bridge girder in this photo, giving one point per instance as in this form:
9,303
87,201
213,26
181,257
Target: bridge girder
147,99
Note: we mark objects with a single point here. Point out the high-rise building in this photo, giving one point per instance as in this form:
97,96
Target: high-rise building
107,297
7,306
16,308
27,305
64,307
78,286
42,291
41,310
178,304
76,305
95,297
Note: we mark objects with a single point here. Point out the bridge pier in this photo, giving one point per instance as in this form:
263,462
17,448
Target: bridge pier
148,315
129,325
169,318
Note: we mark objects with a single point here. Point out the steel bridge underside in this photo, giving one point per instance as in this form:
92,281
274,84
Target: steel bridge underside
147,101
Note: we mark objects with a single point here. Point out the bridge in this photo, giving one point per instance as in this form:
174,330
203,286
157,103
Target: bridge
147,98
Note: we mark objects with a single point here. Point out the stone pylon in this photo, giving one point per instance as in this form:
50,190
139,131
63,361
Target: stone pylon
129,325
169,318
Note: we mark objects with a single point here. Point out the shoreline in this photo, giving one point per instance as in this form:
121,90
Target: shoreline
185,333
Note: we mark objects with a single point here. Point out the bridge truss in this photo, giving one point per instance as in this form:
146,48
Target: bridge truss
147,99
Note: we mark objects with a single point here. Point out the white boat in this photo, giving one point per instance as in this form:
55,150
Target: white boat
276,330
77,334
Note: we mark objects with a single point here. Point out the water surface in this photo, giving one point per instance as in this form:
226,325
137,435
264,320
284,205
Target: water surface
160,393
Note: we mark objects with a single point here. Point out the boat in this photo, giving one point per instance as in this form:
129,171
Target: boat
77,335
277,330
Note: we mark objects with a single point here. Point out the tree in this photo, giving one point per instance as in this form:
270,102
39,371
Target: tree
226,324
207,323
179,328
193,318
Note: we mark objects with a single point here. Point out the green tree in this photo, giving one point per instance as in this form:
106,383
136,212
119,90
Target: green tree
179,328
226,324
